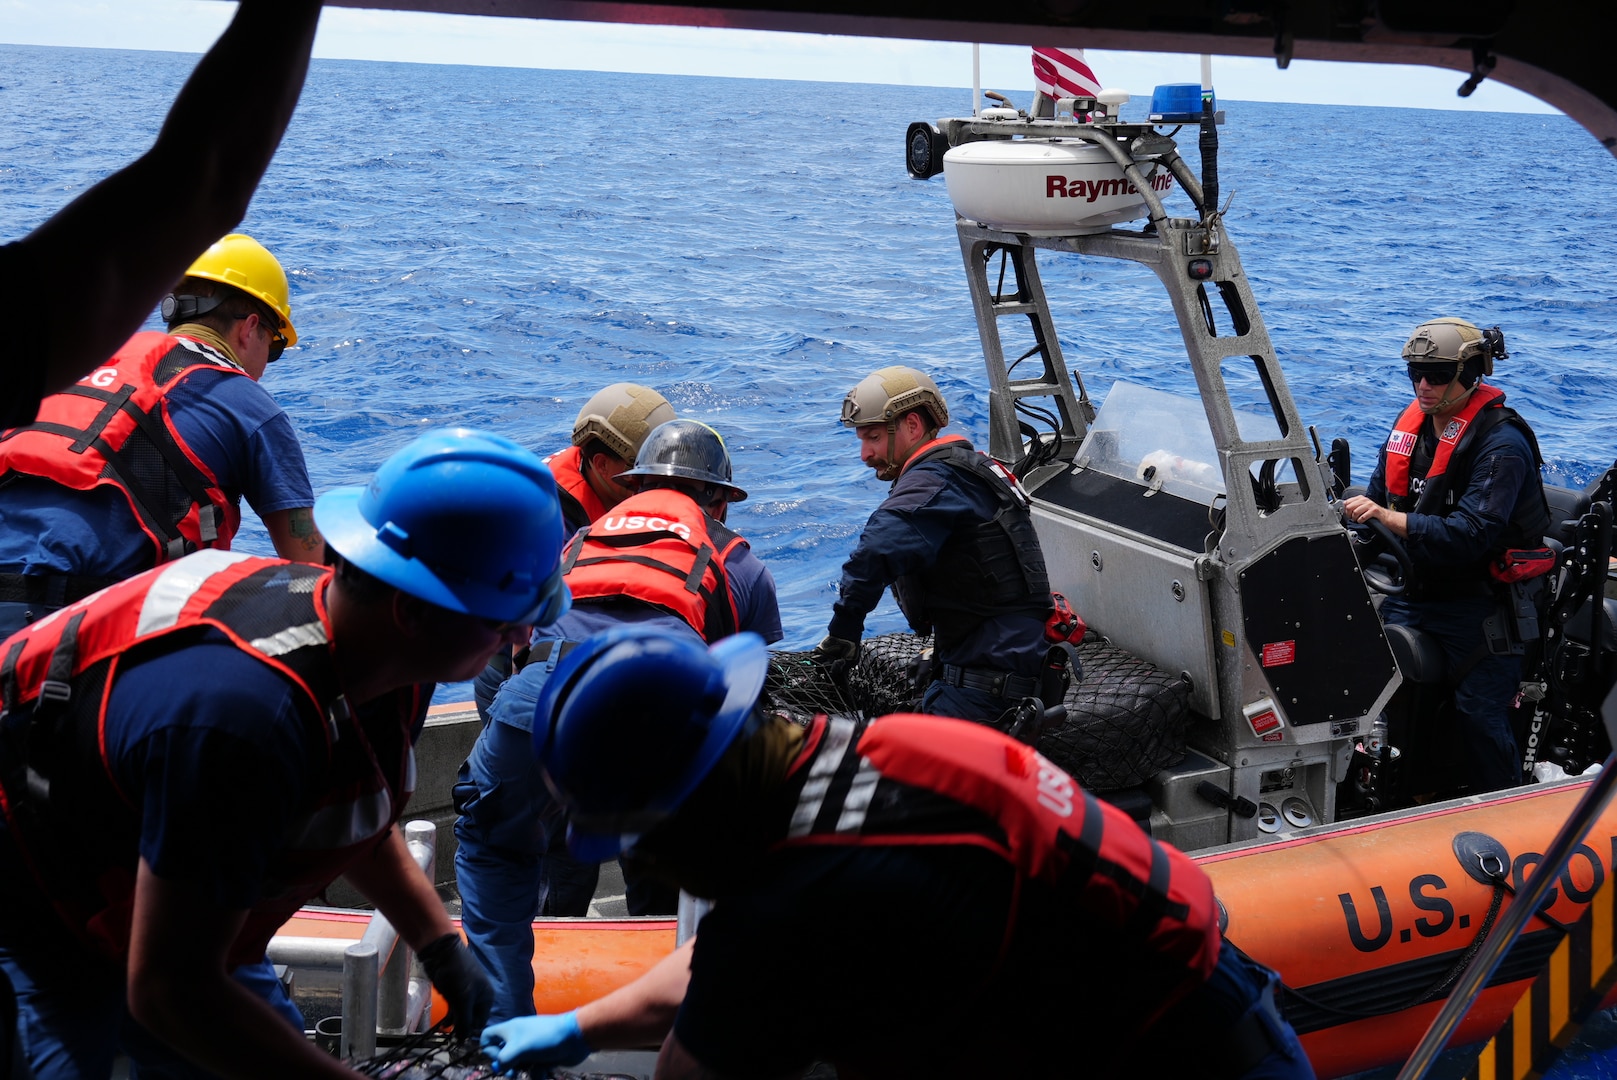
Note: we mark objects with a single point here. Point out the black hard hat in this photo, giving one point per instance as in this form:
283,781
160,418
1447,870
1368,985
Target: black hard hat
688,449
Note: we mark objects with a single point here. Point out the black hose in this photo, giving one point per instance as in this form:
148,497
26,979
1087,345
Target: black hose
1209,149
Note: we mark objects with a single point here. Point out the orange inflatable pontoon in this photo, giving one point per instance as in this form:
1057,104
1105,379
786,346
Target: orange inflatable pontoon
1368,922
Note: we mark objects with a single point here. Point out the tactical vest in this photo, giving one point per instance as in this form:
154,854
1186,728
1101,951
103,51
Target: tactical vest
79,832
894,783
989,569
579,504
1446,471
112,428
658,547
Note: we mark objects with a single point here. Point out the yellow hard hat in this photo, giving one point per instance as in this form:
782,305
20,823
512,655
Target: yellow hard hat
243,263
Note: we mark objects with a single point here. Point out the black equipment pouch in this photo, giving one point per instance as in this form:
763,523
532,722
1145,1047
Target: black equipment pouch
1514,623
918,672
1061,669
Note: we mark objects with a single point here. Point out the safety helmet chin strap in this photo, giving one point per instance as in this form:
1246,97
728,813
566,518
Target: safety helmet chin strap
1446,403
927,436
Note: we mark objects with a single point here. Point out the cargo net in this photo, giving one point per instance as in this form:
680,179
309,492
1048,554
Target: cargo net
800,688
878,684
1125,719
433,1055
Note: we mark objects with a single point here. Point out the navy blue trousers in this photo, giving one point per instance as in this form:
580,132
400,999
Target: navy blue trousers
511,859
1483,698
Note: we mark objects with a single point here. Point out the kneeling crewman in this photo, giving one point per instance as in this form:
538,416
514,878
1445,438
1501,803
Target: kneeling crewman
661,559
190,755
607,435
919,897
954,538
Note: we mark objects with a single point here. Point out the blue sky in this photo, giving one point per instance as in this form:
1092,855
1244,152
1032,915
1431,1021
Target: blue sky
345,33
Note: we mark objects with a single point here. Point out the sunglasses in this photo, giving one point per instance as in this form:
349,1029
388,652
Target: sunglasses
277,347
1434,374
277,344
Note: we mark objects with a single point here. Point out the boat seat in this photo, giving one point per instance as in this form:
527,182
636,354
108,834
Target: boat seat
1418,655
1566,507
1578,629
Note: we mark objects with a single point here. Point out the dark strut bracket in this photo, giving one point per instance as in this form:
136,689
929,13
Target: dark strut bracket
1482,62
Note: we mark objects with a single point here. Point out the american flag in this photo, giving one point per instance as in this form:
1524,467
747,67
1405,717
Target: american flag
1059,73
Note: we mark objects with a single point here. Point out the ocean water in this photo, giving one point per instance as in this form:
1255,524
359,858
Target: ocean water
489,246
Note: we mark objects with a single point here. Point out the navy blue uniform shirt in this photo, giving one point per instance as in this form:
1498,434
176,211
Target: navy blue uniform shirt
927,504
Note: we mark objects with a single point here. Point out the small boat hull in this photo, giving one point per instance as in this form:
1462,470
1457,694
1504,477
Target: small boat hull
1370,916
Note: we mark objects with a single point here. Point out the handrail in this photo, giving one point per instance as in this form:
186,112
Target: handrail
383,992
689,915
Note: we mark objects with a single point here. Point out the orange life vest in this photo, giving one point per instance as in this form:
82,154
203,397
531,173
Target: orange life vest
1405,438
112,428
579,504
78,831
1105,870
658,547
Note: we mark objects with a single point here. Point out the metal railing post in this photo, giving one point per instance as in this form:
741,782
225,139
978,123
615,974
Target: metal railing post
690,912
415,996
383,989
359,972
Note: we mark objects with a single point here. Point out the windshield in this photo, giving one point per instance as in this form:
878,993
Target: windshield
1161,440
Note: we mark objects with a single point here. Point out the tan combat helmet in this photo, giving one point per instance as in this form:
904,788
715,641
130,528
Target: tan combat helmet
1453,340
883,396
621,416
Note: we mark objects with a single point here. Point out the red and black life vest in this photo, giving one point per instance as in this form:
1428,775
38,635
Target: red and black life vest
1444,473
658,547
112,428
1104,876
579,504
79,831
993,568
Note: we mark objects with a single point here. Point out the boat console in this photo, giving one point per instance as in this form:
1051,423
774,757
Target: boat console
1202,537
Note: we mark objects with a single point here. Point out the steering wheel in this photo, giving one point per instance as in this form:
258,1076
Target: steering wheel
1383,559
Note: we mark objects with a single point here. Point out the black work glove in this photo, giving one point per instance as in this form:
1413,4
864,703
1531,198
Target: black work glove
463,983
833,649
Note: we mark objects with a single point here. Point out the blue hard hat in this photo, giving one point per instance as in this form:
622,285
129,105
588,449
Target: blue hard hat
463,519
632,720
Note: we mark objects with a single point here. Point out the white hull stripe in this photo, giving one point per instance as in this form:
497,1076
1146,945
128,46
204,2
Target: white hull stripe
293,637
858,800
176,584
838,734
345,824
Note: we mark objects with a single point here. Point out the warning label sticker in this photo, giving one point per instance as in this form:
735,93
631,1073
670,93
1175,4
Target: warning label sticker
1263,722
1276,653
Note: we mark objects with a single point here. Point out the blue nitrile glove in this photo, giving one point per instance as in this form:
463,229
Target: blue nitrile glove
536,1040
